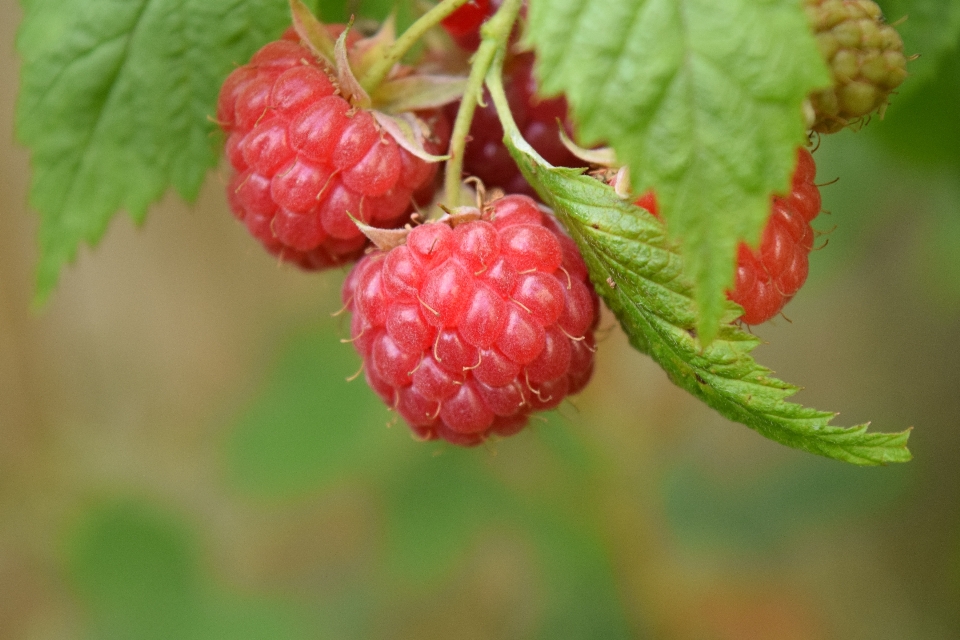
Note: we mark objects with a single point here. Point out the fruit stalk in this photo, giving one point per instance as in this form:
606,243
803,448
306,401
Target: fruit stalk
380,69
494,81
495,34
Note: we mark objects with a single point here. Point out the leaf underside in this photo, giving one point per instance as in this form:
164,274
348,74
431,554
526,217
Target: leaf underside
701,99
641,276
116,105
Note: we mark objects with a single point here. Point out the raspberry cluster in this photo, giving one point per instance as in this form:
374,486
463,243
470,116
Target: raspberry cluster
466,329
865,57
487,158
768,277
305,160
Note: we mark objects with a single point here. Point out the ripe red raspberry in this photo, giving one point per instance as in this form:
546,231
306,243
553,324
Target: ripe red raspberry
769,277
305,159
487,158
466,330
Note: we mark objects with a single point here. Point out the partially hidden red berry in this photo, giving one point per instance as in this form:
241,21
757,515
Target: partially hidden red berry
463,25
768,277
487,158
466,330
306,161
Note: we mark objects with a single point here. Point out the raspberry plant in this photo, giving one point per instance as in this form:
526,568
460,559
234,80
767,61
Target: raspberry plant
703,103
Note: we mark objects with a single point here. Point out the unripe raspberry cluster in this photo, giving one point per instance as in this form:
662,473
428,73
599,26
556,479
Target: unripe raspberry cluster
768,277
865,57
306,160
467,329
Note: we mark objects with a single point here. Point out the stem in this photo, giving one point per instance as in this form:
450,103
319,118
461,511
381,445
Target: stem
495,33
494,81
461,126
379,70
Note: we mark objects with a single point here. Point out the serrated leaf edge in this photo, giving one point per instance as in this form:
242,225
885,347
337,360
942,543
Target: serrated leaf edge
782,426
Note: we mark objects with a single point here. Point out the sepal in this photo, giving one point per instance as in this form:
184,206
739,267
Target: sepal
417,92
410,132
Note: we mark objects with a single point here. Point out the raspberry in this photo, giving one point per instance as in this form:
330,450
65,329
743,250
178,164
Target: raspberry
466,330
463,25
865,57
305,159
768,278
487,158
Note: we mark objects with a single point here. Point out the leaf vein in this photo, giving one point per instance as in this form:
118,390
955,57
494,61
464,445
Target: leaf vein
81,163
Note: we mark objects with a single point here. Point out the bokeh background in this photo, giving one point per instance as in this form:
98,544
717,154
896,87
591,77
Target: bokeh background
181,456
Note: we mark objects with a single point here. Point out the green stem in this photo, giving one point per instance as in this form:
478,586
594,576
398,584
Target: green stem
496,34
379,70
498,95
461,126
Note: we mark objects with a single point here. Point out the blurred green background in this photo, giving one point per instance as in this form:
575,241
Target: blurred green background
181,457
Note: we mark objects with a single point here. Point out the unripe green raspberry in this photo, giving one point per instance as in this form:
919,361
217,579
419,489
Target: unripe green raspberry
865,57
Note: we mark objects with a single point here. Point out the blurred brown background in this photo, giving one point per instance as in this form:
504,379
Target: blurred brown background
181,458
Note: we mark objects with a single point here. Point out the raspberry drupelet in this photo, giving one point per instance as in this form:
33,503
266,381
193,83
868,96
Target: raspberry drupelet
305,160
466,329
768,278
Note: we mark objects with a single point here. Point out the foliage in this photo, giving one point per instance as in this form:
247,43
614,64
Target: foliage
703,101
642,279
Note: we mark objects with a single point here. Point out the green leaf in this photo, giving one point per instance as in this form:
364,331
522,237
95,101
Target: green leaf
703,101
643,280
115,104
